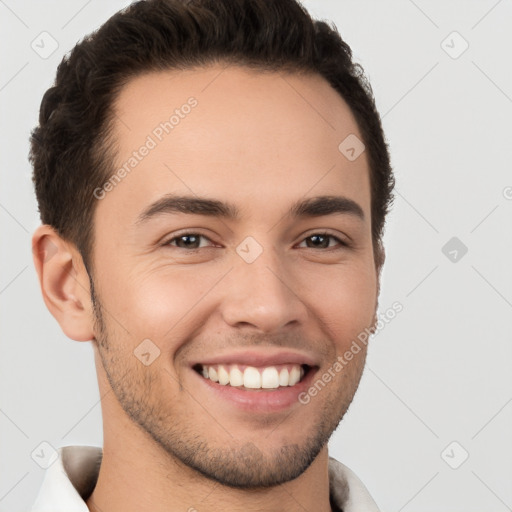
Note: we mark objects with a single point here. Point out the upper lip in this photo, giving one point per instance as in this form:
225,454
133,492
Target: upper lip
259,358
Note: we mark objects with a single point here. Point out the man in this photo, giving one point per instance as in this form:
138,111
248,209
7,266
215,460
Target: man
213,182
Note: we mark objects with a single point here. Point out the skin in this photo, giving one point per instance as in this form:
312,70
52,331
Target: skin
260,141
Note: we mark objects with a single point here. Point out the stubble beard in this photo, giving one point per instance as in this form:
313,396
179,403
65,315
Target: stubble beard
242,465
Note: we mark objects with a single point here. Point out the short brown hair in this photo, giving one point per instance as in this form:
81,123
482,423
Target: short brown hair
70,152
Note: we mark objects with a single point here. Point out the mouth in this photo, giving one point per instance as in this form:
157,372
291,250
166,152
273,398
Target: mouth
253,381
253,378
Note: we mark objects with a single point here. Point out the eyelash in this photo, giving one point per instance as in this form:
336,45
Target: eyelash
342,243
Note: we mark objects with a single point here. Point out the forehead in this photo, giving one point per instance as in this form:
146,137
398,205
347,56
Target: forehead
233,132
263,103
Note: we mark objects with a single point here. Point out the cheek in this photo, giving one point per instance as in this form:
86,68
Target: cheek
166,303
343,298
154,303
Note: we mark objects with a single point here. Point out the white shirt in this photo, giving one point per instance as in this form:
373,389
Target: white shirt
70,480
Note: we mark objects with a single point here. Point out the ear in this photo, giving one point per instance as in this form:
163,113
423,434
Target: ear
64,283
380,258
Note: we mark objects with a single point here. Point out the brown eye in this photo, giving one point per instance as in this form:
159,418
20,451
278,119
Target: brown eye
186,241
322,241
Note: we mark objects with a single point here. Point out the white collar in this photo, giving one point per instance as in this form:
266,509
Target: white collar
72,477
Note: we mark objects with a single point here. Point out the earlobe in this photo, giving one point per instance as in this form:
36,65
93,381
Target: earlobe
64,283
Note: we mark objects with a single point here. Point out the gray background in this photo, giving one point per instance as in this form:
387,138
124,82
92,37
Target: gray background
439,372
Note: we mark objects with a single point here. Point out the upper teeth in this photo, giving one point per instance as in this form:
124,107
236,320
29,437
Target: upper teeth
252,377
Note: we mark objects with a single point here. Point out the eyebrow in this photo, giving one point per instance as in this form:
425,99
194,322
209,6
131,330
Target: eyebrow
311,207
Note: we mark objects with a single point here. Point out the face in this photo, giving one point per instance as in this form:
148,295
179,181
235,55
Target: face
248,269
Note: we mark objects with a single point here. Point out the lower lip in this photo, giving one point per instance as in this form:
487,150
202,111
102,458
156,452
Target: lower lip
260,400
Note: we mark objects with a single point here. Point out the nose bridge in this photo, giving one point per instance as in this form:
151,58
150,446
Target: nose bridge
260,291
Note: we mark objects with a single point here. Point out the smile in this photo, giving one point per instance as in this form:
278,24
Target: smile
251,377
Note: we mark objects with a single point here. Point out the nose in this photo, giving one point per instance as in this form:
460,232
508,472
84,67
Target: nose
263,295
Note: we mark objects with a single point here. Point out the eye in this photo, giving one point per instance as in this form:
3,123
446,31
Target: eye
322,241
192,241
187,241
